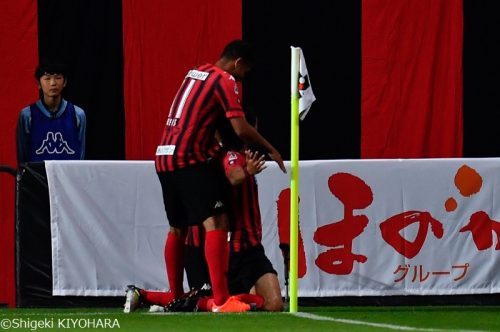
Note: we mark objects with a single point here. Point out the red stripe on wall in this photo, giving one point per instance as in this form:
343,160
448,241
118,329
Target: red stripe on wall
18,41
161,41
412,78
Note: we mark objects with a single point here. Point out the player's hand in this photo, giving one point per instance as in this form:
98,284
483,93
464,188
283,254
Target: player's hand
276,156
255,163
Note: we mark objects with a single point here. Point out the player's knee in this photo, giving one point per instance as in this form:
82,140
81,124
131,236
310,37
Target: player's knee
274,304
177,231
218,222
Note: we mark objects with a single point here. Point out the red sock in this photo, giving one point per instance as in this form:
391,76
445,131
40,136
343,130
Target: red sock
217,256
158,298
174,256
251,298
205,304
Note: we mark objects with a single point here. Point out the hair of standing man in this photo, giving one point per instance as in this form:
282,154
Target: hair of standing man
239,49
51,68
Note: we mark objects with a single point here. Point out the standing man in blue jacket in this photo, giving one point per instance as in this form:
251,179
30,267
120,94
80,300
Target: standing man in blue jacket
52,128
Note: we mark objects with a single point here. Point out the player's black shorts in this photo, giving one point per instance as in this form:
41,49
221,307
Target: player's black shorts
194,193
246,267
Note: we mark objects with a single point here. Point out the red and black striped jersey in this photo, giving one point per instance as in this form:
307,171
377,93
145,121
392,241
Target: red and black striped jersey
246,229
206,96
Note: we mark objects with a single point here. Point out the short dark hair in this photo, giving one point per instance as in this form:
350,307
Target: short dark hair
239,49
50,68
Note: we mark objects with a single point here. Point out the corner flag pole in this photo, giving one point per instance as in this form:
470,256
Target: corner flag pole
294,180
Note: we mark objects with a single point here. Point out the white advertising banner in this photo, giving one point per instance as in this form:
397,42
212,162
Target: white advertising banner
367,227
108,227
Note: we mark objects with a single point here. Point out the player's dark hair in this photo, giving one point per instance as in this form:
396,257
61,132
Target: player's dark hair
239,49
50,68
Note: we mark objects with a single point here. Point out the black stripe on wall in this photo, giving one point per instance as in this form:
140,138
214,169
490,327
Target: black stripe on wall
332,128
481,79
87,36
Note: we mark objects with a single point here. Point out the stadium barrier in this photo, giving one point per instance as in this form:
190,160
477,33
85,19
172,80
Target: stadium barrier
372,232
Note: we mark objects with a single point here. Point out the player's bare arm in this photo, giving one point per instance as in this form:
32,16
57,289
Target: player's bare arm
250,135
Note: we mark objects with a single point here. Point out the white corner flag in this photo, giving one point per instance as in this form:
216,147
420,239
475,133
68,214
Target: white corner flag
305,90
302,98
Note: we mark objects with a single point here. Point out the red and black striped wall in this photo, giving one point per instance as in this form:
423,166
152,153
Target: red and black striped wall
393,79
126,59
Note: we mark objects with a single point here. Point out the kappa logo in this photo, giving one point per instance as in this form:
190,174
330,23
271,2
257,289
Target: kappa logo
218,204
54,143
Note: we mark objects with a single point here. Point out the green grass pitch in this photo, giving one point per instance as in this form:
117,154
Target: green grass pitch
374,318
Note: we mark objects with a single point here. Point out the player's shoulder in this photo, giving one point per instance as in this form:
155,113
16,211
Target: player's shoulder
232,157
79,111
80,117
25,111
233,154
219,72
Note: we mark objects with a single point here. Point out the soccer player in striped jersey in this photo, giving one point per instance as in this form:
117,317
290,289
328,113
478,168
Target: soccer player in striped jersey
251,276
194,191
250,271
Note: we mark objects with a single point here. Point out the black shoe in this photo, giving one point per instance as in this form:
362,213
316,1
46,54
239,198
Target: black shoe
188,302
